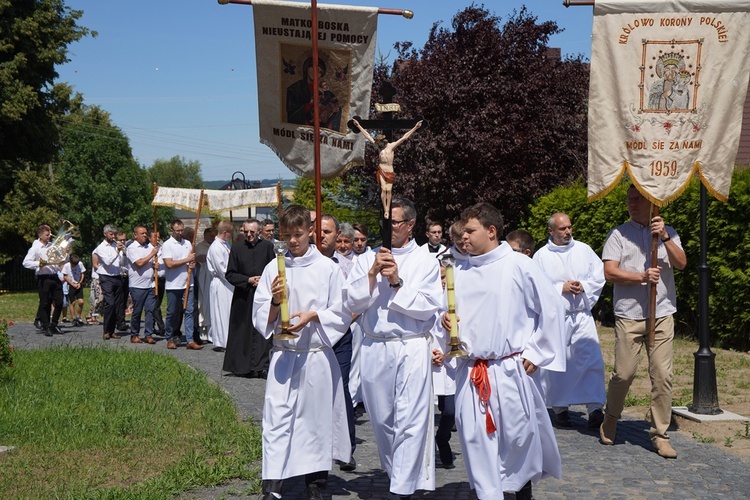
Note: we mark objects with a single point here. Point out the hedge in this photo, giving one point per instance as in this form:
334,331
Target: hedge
728,250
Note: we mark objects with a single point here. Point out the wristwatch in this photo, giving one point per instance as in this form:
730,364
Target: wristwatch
399,284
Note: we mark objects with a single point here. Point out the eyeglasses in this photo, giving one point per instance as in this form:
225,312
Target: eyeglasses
517,250
397,223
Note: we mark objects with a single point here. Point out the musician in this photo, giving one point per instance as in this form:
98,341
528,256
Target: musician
627,248
511,321
110,254
398,293
49,285
304,419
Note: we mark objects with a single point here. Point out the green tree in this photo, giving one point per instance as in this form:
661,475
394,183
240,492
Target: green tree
32,201
101,181
176,172
338,198
34,35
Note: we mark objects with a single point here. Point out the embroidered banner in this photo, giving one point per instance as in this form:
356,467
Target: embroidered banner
346,51
668,85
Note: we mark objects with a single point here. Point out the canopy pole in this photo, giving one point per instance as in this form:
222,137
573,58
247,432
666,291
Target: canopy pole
408,14
155,243
569,3
278,197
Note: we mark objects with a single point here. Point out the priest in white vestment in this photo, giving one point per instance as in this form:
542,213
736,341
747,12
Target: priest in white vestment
398,294
511,322
221,290
577,274
304,415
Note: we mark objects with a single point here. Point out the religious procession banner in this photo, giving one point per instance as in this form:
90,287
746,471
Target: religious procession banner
216,200
346,51
668,85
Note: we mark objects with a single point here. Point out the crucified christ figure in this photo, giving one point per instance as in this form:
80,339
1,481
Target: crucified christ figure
385,174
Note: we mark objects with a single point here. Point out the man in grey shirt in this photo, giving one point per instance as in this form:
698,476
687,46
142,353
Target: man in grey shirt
627,264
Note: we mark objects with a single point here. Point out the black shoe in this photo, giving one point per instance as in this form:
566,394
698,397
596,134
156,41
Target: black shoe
218,349
55,329
359,410
47,332
596,418
263,374
123,327
563,419
348,466
38,324
445,453
313,492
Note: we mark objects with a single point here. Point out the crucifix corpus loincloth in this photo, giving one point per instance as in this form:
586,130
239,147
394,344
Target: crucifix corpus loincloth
386,146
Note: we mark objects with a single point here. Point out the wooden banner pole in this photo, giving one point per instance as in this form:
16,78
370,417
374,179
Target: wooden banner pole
190,269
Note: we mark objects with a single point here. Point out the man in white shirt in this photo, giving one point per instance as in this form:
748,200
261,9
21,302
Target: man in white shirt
577,274
48,282
398,294
178,257
627,264
141,255
110,254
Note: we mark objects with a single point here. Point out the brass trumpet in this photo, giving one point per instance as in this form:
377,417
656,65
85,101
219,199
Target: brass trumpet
282,331
58,252
456,346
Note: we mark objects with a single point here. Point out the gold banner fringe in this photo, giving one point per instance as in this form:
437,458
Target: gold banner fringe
697,168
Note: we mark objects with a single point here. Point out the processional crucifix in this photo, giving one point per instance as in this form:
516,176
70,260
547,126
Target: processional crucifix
386,145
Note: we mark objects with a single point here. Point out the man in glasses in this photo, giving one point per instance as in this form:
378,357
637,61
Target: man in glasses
247,350
398,294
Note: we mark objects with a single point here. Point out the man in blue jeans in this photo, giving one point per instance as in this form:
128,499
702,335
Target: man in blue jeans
141,255
178,257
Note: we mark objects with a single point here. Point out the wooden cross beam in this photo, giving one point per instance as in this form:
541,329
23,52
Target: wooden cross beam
388,125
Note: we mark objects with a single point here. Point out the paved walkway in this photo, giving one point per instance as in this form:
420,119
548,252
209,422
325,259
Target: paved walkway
590,470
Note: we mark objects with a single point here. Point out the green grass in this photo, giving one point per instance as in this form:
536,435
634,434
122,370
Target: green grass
21,306
102,423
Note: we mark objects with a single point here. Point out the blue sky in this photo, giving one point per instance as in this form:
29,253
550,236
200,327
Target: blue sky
178,76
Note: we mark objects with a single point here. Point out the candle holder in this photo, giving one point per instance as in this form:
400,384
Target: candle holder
282,330
456,346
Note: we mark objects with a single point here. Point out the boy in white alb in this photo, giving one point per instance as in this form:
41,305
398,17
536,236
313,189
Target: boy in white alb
511,322
304,415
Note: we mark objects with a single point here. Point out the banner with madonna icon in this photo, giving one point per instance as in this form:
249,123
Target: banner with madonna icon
667,90
346,56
